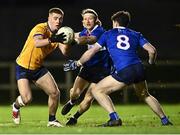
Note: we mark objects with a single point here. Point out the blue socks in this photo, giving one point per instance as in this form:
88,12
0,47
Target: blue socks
114,116
164,120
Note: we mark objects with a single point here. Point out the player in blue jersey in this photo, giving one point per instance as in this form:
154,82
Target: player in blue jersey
122,44
93,70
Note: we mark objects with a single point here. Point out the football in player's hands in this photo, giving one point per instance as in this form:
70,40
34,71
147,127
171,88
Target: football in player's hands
57,37
69,34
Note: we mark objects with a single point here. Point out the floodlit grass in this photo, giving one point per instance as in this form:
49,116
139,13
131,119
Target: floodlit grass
136,119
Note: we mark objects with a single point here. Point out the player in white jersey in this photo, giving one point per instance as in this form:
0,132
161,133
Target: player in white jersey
122,44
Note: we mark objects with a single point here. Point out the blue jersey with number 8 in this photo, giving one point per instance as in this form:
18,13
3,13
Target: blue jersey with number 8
122,44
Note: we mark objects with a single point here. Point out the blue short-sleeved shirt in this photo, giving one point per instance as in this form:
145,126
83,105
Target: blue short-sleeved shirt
100,59
122,44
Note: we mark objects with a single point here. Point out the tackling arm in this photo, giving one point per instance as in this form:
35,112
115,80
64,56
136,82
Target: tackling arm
84,40
89,54
73,64
152,52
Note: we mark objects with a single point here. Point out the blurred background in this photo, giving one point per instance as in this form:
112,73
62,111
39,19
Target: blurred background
157,20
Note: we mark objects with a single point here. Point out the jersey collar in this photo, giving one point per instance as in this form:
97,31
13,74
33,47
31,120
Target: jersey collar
120,27
92,29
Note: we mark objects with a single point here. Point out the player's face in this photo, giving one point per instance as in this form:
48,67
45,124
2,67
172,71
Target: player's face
55,20
89,21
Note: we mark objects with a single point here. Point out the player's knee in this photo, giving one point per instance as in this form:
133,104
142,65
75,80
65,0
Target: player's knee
55,94
95,92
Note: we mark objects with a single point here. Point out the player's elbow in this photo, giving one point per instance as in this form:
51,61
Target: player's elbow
152,51
37,44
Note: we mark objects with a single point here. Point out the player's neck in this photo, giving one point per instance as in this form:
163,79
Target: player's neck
90,30
49,27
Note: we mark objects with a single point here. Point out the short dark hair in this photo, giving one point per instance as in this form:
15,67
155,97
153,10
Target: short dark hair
122,17
56,10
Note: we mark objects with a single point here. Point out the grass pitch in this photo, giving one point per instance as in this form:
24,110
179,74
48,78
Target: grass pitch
137,119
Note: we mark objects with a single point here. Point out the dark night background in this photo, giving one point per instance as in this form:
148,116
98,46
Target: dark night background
155,19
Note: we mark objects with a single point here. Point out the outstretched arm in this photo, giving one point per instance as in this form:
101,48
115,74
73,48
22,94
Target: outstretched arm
152,52
84,40
89,53
73,64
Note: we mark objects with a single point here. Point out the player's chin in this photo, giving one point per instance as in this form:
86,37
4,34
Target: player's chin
57,27
89,27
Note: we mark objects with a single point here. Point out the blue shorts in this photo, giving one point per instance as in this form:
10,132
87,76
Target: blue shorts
131,74
94,74
30,74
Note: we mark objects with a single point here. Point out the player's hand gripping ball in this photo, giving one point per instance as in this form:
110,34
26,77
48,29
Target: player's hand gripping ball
69,34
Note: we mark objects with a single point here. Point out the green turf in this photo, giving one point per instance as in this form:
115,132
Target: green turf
136,119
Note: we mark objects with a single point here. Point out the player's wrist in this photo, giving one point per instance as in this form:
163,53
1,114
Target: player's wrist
79,64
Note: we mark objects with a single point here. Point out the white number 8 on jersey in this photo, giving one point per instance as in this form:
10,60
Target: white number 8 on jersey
123,39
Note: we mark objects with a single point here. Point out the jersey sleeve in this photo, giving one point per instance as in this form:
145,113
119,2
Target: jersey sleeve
102,39
142,40
82,33
39,30
98,32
